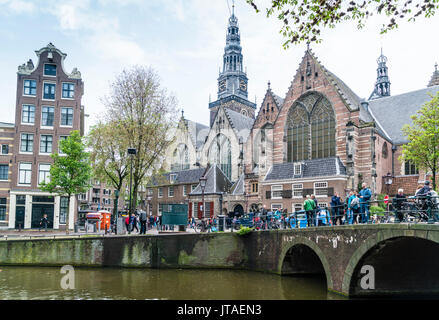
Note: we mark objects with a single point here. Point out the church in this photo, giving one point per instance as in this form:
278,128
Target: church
320,138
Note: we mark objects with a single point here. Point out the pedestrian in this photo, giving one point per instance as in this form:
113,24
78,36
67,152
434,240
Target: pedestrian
354,206
44,222
143,220
335,209
399,200
365,195
127,223
309,206
133,223
316,210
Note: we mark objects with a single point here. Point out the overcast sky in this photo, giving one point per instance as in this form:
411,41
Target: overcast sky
183,40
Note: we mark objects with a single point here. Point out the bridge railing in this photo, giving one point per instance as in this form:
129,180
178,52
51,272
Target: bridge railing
414,209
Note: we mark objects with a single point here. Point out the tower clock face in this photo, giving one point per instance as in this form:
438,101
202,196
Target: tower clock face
222,85
243,85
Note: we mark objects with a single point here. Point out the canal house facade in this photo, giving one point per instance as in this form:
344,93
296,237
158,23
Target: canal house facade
48,108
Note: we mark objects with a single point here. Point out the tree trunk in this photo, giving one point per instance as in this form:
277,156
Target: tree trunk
67,216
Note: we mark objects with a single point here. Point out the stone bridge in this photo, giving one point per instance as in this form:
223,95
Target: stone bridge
404,258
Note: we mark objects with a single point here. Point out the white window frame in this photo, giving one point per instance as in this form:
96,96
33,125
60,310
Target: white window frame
193,187
274,188
47,75
27,175
62,90
160,193
295,187
275,206
4,144
53,124
293,207
46,173
297,169
172,177
36,85
150,191
321,185
169,191
21,141
21,116
323,205
60,117
184,190
7,171
42,96
51,147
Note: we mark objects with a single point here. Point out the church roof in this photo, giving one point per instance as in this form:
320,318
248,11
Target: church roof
279,101
198,132
240,123
216,183
393,112
238,186
310,168
182,177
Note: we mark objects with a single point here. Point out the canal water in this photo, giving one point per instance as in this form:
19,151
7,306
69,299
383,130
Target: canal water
111,283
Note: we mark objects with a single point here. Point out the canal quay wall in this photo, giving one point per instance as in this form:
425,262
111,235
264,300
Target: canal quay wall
395,258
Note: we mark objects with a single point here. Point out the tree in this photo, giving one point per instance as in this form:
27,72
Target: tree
146,115
423,136
108,155
70,172
304,19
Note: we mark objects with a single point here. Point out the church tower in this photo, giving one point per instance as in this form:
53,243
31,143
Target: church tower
382,85
232,80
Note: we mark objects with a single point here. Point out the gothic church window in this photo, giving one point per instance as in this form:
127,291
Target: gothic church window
384,151
180,158
220,153
310,129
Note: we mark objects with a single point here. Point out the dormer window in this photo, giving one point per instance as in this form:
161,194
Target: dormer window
297,169
172,178
50,69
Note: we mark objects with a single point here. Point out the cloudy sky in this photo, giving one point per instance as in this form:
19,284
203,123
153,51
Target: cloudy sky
183,40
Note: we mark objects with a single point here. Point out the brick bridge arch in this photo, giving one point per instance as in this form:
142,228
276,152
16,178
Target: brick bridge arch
311,245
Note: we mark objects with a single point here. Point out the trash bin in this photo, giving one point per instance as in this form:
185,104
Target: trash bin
76,227
221,223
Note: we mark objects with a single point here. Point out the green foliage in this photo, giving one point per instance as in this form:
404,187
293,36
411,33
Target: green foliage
244,230
377,210
304,19
381,204
70,173
423,135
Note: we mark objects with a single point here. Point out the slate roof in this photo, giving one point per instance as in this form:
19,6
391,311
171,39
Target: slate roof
217,182
310,168
240,123
279,100
198,132
183,177
392,113
238,186
7,125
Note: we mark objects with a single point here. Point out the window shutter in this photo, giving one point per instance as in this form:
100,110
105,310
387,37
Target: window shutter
211,209
268,194
190,209
307,191
286,194
330,192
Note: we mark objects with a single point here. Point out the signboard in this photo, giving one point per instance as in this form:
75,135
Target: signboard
175,214
386,199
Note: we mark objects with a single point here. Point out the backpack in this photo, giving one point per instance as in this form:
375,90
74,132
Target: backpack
355,202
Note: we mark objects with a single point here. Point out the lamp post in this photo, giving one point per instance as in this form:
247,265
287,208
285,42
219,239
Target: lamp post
132,152
203,181
115,210
388,179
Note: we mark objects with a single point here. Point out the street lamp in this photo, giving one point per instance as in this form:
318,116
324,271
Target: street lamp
132,152
388,179
203,181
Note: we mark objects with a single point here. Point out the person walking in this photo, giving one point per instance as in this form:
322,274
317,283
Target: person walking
309,206
44,223
127,223
365,195
335,209
143,220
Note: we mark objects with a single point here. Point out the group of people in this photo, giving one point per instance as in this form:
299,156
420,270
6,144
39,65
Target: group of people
136,219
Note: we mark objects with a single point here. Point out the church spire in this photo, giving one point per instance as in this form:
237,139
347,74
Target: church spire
434,81
382,85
